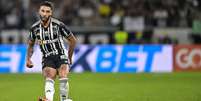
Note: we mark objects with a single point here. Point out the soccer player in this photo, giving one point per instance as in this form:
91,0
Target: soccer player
49,33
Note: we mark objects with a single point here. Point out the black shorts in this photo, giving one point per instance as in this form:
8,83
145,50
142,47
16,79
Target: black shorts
54,61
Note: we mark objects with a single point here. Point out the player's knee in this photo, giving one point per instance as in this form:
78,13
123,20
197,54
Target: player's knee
49,73
63,74
63,71
64,67
51,76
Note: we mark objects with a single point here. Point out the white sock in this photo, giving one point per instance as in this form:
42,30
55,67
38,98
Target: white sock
64,88
49,89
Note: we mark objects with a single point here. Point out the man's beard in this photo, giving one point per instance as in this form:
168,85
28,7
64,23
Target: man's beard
44,19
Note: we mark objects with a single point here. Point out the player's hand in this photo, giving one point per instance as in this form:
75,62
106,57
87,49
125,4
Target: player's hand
29,64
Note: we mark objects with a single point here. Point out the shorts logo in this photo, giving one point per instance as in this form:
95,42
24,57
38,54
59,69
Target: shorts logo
63,57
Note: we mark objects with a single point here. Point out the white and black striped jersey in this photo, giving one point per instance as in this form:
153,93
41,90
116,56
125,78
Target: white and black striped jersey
50,39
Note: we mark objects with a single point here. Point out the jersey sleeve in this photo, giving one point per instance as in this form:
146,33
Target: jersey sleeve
65,31
32,36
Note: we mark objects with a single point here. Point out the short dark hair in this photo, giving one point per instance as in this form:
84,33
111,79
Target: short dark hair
47,3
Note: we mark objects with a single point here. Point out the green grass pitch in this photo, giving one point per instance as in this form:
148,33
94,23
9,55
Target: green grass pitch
107,87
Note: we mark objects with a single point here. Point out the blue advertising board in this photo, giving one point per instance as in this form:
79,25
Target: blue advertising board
100,58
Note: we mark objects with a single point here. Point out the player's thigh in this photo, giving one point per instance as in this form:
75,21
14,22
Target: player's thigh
63,70
49,72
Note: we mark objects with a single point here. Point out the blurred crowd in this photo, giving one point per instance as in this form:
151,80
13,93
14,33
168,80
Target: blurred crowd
155,13
137,17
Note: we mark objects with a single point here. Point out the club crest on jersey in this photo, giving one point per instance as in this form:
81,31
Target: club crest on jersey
54,30
46,33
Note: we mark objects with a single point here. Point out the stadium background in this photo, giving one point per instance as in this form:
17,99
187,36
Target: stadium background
143,50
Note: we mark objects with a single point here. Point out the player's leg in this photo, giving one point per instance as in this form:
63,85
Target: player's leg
50,74
63,79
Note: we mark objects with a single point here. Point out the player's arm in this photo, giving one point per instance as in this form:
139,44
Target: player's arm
30,48
71,40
